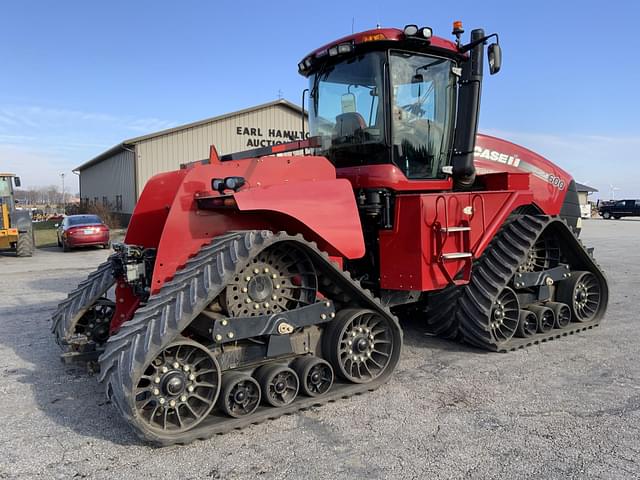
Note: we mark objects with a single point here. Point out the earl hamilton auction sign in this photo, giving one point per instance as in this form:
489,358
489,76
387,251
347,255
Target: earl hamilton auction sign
259,137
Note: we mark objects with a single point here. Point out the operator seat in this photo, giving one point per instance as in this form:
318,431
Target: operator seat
348,125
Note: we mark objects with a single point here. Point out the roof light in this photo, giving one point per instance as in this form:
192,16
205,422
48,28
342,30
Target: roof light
457,27
410,30
301,66
333,51
373,37
307,62
345,48
426,32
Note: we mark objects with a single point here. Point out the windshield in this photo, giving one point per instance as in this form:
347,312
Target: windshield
84,220
347,112
422,113
5,186
350,109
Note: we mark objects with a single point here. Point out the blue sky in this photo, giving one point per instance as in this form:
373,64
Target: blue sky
78,76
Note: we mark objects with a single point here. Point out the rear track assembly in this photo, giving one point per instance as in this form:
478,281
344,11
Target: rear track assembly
143,342
505,265
79,321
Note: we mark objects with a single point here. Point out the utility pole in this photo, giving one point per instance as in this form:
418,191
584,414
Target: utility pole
63,203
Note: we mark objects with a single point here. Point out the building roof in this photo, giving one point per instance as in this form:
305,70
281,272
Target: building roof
581,187
127,144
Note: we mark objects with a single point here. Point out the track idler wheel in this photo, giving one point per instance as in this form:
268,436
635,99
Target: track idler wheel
583,293
178,389
279,384
315,374
562,313
505,315
361,345
546,317
527,324
240,395
96,321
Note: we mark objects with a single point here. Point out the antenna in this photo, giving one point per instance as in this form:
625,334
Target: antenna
279,94
353,21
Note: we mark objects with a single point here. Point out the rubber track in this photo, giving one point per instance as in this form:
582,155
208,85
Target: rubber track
180,300
497,266
441,312
79,301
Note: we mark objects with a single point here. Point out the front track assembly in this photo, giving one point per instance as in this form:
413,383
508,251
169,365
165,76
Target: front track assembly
185,367
535,282
81,321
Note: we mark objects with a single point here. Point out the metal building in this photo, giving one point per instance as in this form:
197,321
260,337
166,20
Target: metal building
116,177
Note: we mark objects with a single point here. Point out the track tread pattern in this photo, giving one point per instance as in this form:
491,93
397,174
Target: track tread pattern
71,309
180,300
501,259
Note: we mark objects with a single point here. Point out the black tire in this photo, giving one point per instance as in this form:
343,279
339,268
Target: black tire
584,295
350,345
65,247
25,245
240,395
315,374
528,324
279,384
546,317
617,217
562,312
58,240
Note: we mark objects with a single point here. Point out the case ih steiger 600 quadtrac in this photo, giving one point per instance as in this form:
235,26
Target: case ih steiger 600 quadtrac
253,285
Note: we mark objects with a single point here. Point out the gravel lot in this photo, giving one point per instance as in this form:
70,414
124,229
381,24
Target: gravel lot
564,409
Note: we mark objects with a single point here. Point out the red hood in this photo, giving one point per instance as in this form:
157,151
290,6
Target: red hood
548,181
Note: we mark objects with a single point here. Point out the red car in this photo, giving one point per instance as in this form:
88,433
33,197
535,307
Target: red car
82,230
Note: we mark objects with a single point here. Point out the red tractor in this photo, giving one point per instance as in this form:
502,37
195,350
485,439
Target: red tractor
254,284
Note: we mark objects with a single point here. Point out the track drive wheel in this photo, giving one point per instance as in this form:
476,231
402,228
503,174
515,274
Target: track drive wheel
279,384
278,279
361,345
240,395
315,374
583,293
177,389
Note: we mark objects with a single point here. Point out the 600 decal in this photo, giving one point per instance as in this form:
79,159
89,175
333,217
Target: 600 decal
556,182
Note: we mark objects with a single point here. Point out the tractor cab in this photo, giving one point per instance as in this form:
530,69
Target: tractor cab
389,97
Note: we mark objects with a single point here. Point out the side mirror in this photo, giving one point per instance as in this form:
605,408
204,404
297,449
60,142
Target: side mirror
348,103
16,181
416,84
495,58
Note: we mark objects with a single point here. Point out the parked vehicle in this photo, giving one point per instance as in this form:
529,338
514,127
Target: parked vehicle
16,228
251,285
82,231
619,209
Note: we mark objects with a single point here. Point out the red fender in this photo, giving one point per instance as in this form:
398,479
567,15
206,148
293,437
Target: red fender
281,193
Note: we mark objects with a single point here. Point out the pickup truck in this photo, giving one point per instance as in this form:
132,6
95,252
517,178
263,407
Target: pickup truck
619,208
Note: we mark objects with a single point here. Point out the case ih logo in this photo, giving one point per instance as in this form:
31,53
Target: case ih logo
496,156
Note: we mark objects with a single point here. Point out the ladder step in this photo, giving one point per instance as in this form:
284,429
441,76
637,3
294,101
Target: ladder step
455,229
456,255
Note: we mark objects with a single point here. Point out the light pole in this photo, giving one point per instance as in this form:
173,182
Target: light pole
63,206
